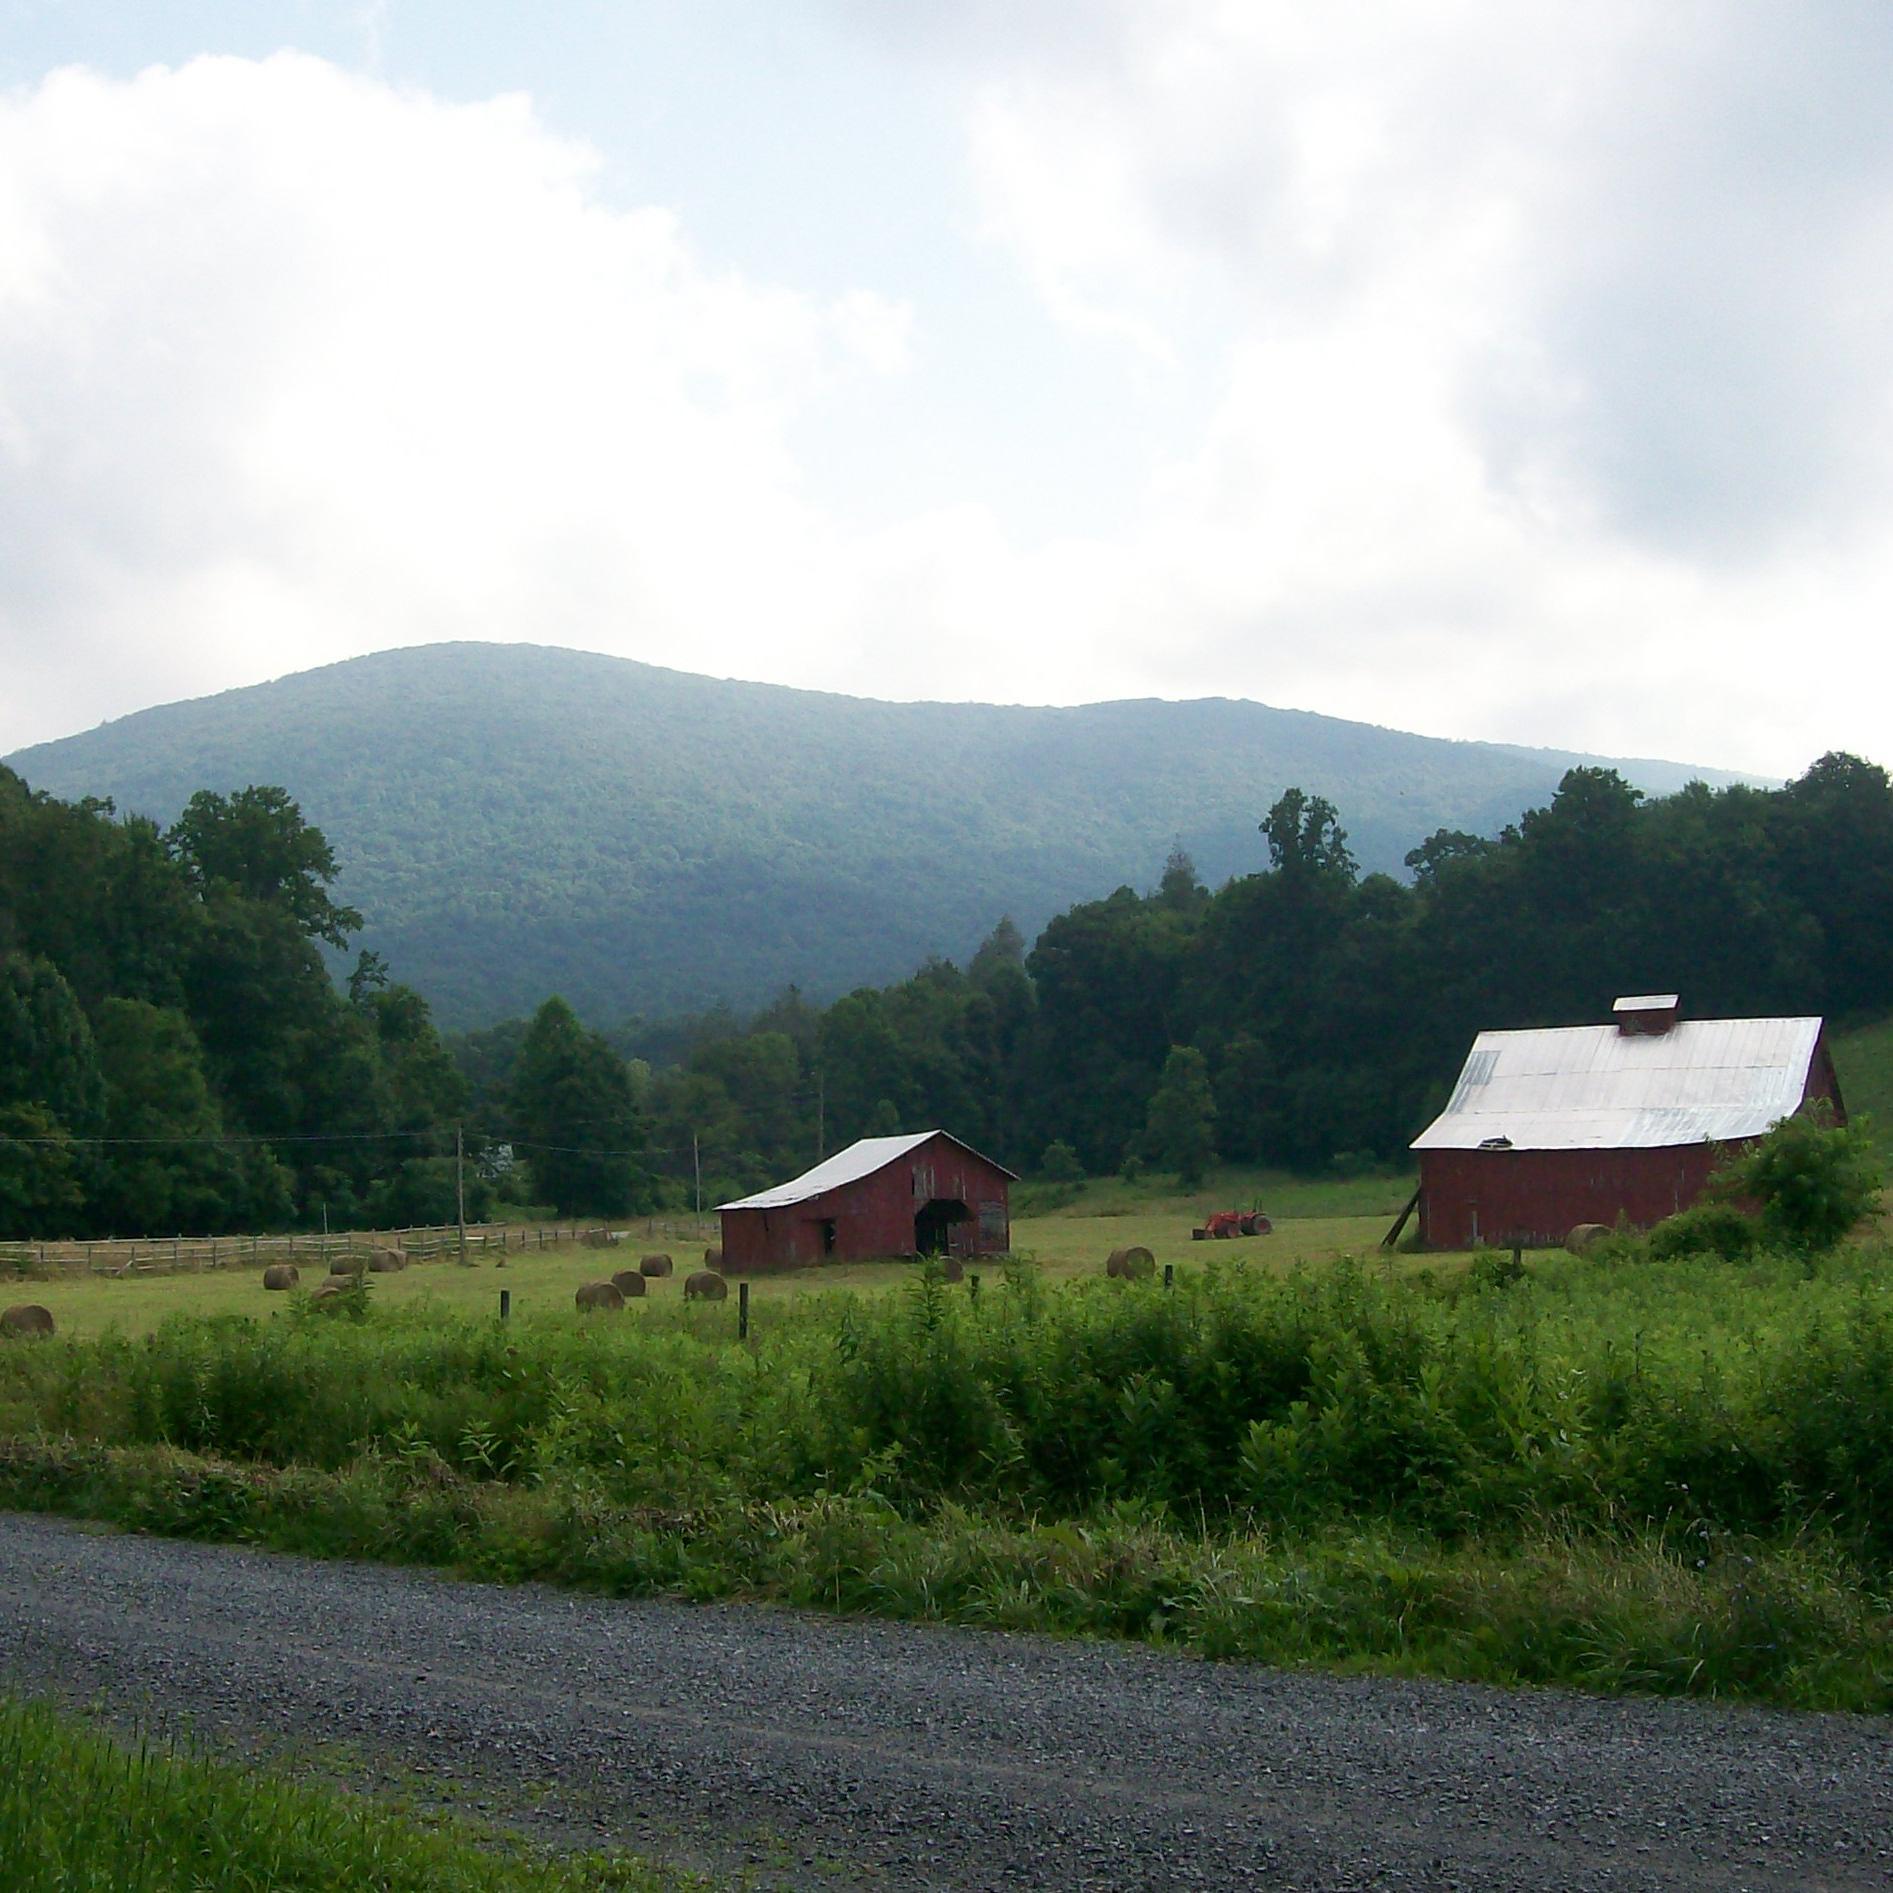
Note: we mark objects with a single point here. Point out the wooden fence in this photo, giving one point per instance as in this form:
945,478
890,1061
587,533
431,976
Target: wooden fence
173,1255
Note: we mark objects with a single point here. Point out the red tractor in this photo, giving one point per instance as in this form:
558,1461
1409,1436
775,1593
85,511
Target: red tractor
1221,1224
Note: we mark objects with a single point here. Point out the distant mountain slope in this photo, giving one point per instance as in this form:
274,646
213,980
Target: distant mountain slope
515,820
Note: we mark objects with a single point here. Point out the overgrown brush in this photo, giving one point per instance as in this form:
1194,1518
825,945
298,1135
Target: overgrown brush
1623,1413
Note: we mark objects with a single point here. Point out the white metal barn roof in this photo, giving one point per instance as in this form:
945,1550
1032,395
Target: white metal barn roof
1593,1087
861,1159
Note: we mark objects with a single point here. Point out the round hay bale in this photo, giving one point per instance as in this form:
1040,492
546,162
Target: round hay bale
1130,1265
387,1261
706,1285
1584,1235
25,1320
348,1265
596,1297
656,1265
952,1269
629,1283
336,1285
713,1258
281,1275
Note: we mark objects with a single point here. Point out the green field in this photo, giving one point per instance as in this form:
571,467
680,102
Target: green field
1073,1230
1863,1060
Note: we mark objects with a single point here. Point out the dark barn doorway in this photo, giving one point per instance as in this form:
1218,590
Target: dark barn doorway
934,1222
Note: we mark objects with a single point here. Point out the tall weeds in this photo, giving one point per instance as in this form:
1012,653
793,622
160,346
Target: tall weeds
1677,1417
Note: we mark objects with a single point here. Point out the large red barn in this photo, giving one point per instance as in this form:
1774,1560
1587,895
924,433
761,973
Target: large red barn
928,1194
1602,1123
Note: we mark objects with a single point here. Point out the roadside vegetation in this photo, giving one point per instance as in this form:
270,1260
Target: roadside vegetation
1616,1471
84,1812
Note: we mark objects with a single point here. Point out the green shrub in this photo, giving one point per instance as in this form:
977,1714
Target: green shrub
1706,1229
1813,1180
1060,1163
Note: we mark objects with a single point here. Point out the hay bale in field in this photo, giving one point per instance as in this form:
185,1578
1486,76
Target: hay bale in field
1584,1235
598,1297
706,1285
281,1275
354,1264
1130,1265
599,1239
24,1321
629,1283
655,1265
335,1288
952,1269
387,1261
713,1258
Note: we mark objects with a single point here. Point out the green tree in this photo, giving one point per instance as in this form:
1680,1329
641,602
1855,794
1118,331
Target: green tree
578,1123
1180,1129
41,1191
256,844
47,1057
1812,1180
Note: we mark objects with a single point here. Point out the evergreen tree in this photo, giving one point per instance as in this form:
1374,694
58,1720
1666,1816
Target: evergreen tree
583,1136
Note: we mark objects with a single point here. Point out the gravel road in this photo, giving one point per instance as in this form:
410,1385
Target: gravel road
809,1752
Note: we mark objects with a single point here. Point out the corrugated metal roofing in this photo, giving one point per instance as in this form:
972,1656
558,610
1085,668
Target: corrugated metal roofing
1592,1087
860,1159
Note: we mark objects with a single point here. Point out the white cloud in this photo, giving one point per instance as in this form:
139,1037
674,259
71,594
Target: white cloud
1530,373
1553,341
294,365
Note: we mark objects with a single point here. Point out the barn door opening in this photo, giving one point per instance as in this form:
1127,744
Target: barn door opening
934,1223
828,1235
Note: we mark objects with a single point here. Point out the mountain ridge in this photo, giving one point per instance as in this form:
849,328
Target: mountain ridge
516,819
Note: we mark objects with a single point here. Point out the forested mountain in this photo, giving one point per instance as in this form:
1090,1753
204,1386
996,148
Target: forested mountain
514,820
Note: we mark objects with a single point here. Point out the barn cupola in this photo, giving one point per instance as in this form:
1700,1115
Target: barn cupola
1646,1015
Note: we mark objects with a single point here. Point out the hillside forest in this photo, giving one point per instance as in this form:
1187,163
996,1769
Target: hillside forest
514,821
175,1053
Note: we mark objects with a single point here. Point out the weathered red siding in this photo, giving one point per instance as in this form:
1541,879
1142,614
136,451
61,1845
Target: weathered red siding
874,1216
1535,1197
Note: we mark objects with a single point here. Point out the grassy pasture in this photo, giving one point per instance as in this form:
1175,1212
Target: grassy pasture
1067,1230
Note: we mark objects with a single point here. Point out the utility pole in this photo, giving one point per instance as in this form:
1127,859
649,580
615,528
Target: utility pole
696,1165
821,1115
460,1188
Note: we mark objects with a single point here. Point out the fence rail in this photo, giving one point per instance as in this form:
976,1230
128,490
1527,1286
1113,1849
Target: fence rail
178,1255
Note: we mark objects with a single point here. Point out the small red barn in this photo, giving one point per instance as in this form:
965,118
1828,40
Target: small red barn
1592,1123
928,1194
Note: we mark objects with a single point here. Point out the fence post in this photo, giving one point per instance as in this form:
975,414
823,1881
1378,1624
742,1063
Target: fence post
742,1311
1169,1275
972,1287
506,1303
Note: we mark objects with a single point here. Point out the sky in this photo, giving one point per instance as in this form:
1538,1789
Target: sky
1519,373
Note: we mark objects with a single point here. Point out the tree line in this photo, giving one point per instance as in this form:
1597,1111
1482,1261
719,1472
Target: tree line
176,1055
1304,1014
175,1052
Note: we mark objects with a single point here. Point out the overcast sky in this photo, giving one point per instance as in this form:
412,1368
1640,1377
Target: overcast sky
1515,371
